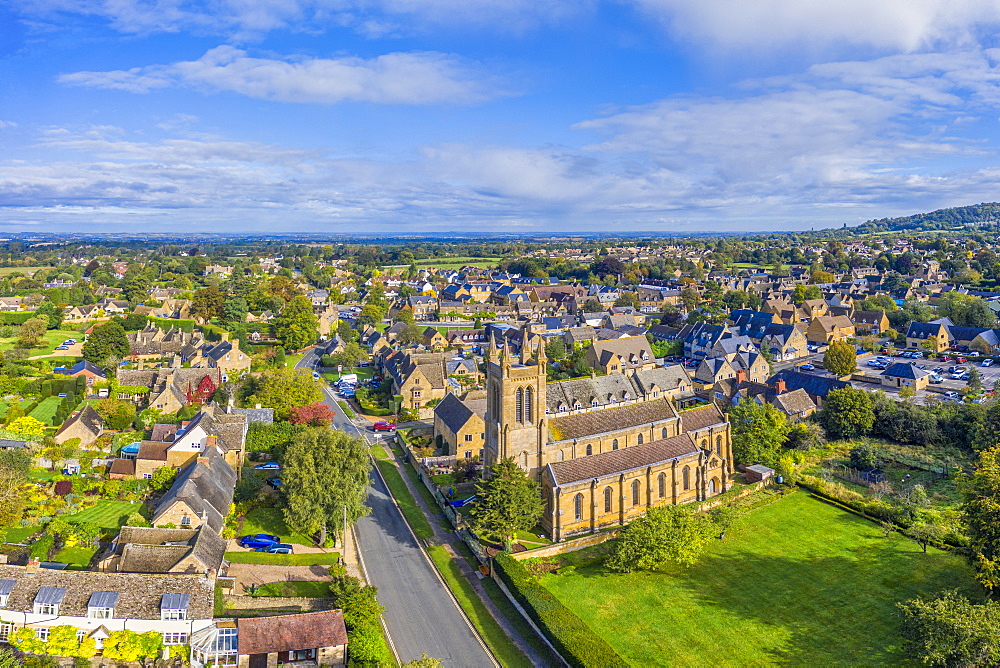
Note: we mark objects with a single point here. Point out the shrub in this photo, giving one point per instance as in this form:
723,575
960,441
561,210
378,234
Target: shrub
574,640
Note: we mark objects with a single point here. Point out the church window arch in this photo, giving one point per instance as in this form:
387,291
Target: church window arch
663,433
519,405
686,478
661,485
704,444
524,460
590,449
561,455
635,492
638,439
529,415
607,499
578,507
718,445
614,444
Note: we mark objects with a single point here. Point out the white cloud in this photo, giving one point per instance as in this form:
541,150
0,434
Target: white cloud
395,78
7,124
894,25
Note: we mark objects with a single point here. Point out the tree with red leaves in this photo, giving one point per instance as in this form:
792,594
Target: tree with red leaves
312,415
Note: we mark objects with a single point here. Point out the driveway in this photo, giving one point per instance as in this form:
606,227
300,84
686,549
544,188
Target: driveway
259,574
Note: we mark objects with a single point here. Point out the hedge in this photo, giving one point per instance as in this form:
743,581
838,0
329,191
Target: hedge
570,635
16,318
266,437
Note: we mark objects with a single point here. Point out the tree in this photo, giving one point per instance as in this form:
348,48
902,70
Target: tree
207,303
133,322
506,502
282,389
975,385
981,511
423,662
665,533
411,334
371,314
847,413
724,517
350,356
690,299
592,306
235,310
136,285
128,645
312,415
820,276
106,341
31,331
52,313
840,358
297,326
12,497
805,436
607,266
325,480
7,658
27,426
758,432
865,456
951,631
555,349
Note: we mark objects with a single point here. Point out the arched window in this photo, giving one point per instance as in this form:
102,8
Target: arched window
561,455
524,460
578,507
661,484
528,408
704,444
635,492
614,444
663,433
718,445
519,405
638,439
607,499
590,449
686,478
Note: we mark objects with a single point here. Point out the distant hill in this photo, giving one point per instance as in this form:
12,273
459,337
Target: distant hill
976,215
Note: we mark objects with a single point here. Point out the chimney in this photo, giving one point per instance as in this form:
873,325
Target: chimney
258,406
779,386
204,460
225,336
33,566
741,376
211,442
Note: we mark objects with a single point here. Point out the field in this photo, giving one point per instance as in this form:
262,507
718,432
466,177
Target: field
24,270
458,262
798,582
106,514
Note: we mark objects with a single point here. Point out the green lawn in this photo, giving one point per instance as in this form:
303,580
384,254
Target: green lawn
294,589
378,452
798,582
78,557
499,642
411,511
270,520
311,559
46,410
17,534
106,514
344,406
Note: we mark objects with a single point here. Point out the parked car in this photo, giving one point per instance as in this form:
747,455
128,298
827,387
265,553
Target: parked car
936,379
987,362
951,395
269,466
258,540
280,548
807,367
273,483
384,426
62,347
961,360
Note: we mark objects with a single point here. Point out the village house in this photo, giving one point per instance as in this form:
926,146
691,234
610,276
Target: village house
621,355
459,428
87,425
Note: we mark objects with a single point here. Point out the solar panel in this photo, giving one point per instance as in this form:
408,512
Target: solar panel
103,599
175,601
7,586
50,595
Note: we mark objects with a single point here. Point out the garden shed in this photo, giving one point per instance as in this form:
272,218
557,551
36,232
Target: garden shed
758,473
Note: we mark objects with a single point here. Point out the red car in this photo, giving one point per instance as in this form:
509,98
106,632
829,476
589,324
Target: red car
961,360
384,426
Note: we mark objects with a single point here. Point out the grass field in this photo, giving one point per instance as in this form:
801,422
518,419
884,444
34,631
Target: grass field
24,270
798,582
45,410
501,645
106,514
310,559
292,589
270,520
458,262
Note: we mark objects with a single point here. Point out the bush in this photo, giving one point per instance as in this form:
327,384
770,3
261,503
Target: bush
865,456
574,640
270,437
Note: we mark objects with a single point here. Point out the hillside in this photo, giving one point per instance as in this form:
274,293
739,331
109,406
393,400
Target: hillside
975,215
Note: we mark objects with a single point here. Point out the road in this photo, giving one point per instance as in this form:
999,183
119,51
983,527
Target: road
421,616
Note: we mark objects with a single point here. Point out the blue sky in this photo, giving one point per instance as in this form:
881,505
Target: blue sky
509,116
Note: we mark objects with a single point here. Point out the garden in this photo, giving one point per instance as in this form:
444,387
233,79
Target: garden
797,581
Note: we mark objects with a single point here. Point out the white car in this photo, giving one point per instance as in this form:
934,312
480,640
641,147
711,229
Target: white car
987,362
951,395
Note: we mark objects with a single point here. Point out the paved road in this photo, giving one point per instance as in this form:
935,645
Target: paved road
421,615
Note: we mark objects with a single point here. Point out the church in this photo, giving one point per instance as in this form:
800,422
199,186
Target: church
606,448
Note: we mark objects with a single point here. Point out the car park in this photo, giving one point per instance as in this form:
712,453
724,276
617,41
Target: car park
257,540
280,548
269,466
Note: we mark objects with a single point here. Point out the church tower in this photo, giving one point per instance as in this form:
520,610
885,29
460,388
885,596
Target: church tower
516,425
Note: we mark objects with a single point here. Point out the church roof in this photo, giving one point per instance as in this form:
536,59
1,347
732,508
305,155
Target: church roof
622,460
582,425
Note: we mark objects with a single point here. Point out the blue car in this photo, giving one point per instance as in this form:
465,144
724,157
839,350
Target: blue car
459,503
275,483
258,540
269,466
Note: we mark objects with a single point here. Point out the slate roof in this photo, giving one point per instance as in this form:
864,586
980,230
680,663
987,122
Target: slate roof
619,461
582,425
285,633
261,415
662,378
633,350
205,486
815,386
585,390
154,550
88,417
702,417
794,402
123,467
8,444
139,596
455,413
906,370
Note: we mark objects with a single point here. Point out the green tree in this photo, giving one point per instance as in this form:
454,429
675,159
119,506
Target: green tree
12,497
975,386
371,314
207,303
865,456
298,326
8,660
981,511
506,502
282,389
133,322
136,286
52,313
592,306
31,331
951,631
847,413
235,310
350,356
758,432
664,534
128,645
105,342
840,358
411,334
690,299
325,476
27,426
423,662
966,310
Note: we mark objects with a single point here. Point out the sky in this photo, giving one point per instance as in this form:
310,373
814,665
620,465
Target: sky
493,117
